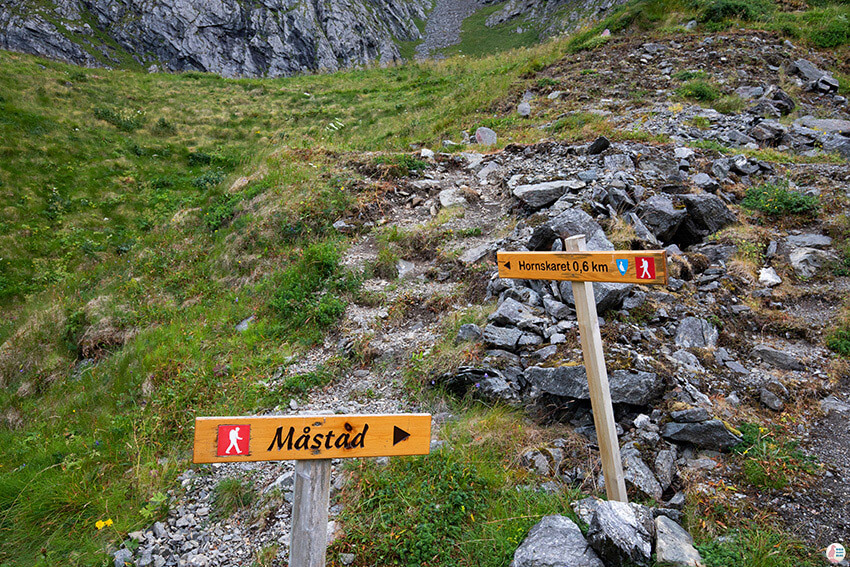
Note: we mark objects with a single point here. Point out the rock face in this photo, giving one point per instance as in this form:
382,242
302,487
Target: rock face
674,546
555,542
627,387
232,38
711,434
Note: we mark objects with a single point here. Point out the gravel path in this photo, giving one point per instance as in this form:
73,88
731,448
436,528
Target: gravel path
443,26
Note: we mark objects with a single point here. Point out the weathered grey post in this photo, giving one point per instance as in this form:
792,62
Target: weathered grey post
309,539
597,380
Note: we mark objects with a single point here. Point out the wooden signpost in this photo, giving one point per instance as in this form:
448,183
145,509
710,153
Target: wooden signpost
311,441
582,267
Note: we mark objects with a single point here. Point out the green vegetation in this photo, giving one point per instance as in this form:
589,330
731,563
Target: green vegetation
477,39
839,340
756,547
230,495
461,505
145,216
776,199
698,90
770,460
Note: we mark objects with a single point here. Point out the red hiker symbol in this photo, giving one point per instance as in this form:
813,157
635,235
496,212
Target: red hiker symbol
233,440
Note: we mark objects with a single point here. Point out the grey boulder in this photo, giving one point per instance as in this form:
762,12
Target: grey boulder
626,387
501,337
707,214
674,547
608,295
512,313
809,262
555,541
539,195
621,533
711,434
777,358
661,217
694,332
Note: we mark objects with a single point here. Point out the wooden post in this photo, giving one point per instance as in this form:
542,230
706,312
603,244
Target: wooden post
309,539
597,378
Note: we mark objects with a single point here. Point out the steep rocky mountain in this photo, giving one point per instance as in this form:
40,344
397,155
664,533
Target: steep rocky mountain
230,37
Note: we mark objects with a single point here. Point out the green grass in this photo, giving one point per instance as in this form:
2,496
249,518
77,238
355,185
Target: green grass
477,39
460,505
699,90
762,546
144,216
230,495
770,459
776,199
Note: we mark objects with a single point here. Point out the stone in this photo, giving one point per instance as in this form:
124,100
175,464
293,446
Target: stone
244,324
659,215
665,467
570,222
619,535
609,295
452,197
501,337
554,95
768,132
809,262
469,332
486,136
122,557
707,214
688,360
556,309
690,415
770,400
619,199
540,195
642,232
476,254
674,547
705,182
768,277
626,387
777,358
544,462
683,152
619,162
748,92
711,434
425,153
808,240
524,109
555,541
638,475
483,383
346,558
598,146
512,313
833,404
830,125
694,332
159,530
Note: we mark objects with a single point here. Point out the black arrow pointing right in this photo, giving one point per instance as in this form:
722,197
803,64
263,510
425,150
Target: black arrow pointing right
399,435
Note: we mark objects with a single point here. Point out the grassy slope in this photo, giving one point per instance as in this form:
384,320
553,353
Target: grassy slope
93,254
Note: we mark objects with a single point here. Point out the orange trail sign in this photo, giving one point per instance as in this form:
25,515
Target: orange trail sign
229,439
626,266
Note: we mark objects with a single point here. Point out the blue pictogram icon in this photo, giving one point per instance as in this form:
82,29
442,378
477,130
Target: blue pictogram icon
623,266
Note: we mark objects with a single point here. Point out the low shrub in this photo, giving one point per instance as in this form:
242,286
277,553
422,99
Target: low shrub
719,11
232,494
307,297
839,340
699,90
121,120
776,199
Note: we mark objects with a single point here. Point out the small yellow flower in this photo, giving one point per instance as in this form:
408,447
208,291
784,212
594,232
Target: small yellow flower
100,524
108,521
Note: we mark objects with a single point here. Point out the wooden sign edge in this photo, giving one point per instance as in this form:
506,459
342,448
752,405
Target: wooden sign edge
222,420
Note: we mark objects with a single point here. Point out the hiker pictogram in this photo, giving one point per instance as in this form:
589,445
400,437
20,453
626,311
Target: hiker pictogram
233,440
645,268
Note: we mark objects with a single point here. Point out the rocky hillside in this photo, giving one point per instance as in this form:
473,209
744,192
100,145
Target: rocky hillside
232,38
174,246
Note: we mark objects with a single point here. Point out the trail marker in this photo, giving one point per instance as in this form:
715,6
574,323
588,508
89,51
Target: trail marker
582,267
311,441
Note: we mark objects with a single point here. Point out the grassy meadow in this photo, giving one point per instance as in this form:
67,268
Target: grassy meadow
143,216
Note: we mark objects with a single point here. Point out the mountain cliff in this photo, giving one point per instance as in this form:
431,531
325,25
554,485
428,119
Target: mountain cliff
229,37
